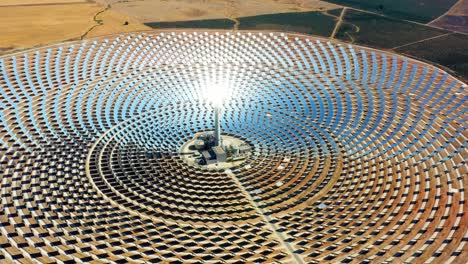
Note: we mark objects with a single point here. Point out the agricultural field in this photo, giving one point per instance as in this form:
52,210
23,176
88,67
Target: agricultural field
422,11
39,2
27,26
448,51
316,23
112,22
207,24
455,19
149,11
32,23
382,32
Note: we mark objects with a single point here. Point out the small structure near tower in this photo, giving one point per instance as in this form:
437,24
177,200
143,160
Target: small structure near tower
201,151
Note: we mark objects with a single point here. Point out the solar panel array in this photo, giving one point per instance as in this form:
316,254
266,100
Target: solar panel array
359,155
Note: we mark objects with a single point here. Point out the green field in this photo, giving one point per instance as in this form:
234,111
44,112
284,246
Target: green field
421,11
382,32
209,23
304,22
450,51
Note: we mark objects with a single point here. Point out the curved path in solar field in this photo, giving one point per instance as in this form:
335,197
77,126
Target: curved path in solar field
359,155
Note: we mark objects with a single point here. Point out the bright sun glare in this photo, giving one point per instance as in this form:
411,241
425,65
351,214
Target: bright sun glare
216,94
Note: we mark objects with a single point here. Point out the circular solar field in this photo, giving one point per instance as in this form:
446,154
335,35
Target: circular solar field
358,155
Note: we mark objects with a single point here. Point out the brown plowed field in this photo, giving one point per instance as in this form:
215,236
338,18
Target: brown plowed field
183,10
38,22
455,19
39,2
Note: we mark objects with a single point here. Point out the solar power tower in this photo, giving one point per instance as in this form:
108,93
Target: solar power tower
217,131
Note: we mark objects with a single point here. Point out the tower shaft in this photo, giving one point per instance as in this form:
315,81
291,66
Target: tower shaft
217,132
